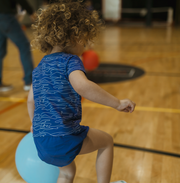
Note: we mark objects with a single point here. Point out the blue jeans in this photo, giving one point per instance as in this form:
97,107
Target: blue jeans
10,28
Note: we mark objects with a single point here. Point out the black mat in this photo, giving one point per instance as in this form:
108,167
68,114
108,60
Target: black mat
107,73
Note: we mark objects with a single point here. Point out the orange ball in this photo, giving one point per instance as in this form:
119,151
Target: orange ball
90,60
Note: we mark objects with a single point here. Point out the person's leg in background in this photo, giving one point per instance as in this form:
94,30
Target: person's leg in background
17,35
12,29
3,47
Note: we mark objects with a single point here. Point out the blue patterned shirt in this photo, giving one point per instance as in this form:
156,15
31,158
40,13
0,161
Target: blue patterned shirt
57,104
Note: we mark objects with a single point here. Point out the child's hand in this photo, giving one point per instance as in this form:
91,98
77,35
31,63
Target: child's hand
126,105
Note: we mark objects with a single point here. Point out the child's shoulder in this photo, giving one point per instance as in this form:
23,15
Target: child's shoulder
61,56
59,59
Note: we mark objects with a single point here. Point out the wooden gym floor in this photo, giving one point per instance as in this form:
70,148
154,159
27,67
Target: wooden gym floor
154,126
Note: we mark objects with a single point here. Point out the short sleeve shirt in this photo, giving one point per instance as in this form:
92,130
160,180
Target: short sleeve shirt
57,105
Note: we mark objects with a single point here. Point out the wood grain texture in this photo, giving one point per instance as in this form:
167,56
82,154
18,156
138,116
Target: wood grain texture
154,50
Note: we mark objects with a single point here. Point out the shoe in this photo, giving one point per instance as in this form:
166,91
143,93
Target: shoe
120,181
5,88
27,87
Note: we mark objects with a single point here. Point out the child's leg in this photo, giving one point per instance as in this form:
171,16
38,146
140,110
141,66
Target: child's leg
67,173
103,142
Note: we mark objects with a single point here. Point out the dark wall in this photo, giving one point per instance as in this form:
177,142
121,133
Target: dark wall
97,4
142,4
177,13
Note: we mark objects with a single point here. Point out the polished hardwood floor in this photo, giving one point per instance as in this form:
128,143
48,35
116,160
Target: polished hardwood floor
154,125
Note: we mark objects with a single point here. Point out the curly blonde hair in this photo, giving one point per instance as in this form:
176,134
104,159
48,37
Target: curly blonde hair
65,23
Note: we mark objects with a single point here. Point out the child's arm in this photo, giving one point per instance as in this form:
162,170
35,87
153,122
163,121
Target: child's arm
93,92
30,104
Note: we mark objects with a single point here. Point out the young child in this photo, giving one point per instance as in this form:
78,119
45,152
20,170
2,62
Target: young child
59,81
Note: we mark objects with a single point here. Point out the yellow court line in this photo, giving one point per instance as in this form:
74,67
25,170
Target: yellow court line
12,99
95,105
138,108
155,109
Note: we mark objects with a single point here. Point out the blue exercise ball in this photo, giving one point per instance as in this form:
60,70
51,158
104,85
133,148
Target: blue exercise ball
31,168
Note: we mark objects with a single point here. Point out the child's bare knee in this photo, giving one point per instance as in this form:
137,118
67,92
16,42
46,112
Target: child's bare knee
70,174
109,140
